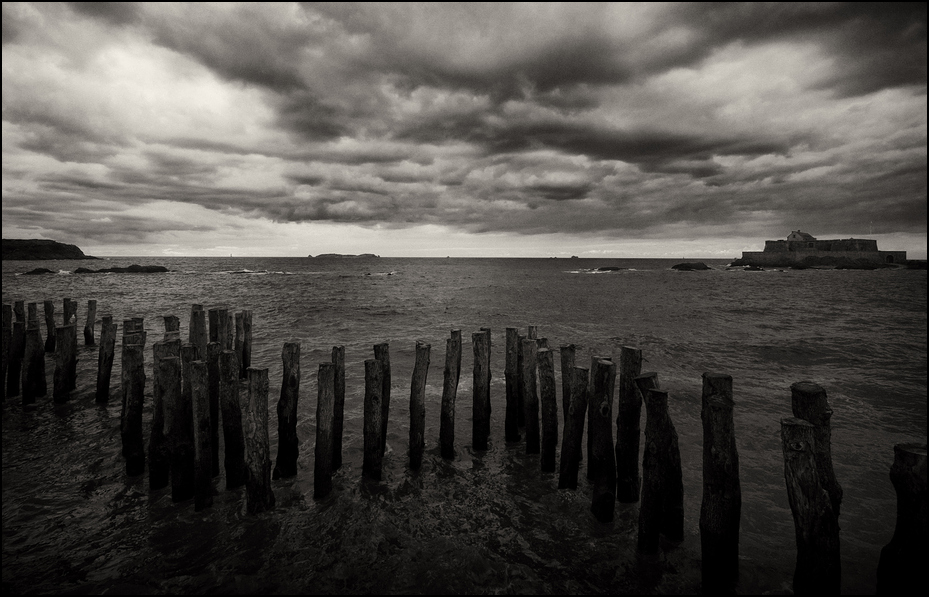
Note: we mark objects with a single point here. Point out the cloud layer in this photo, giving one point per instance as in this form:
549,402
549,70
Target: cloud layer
132,123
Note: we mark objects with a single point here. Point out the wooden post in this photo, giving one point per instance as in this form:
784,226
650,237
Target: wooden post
549,404
603,498
901,568
178,427
239,335
197,333
487,406
288,445
133,390
338,385
629,411
573,431
449,393
322,468
373,454
33,368
246,342
818,570
418,405
511,424
7,341
159,452
531,396
64,349
809,403
480,421
203,453
32,315
662,506
49,308
70,319
229,341
382,354
592,462
105,359
139,324
233,440
172,327
533,332
258,494
17,349
721,509
213,349
567,368
520,384
90,323
217,321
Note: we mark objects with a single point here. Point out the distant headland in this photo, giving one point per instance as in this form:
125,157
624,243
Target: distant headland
341,256
802,250
36,249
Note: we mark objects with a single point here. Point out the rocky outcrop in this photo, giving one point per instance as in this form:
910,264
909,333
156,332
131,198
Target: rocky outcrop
36,249
691,266
38,271
341,256
132,269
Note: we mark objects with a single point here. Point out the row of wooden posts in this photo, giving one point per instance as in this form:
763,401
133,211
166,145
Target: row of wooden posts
195,381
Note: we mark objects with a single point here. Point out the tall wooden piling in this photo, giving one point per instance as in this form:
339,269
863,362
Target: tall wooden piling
480,427
133,391
34,384
592,461
325,417
229,341
373,454
568,353
17,350
520,384
217,321
178,427
90,323
64,351
809,402
159,452
197,332
258,494
628,413
511,422
573,431
549,403
662,506
818,570
531,395
901,568
49,309
6,344
172,327
721,509
603,497
418,405
246,342
105,359
239,335
32,315
382,354
288,446
233,439
213,349
449,393
338,406
203,452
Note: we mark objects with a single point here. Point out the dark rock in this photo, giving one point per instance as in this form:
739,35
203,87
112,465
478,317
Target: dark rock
341,256
609,268
21,249
132,269
691,266
37,271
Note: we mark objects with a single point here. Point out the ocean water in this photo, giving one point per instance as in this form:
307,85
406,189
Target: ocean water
487,522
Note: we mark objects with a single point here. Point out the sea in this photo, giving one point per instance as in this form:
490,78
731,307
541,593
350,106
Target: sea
487,521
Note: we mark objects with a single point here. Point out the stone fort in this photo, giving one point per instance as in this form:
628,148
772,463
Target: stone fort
802,248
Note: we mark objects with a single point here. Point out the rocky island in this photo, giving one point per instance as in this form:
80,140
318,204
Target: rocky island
37,249
341,256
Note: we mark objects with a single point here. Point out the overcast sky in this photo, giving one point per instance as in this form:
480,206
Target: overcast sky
468,129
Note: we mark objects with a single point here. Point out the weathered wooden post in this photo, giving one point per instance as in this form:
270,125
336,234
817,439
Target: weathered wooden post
573,431
7,341
133,390
549,404
809,402
203,453
239,335
520,384
288,446
480,422
511,423
172,327
246,342
603,497
49,308
105,359
159,452
531,395
373,454
233,440
567,368
629,411
213,350
217,321
178,427
901,568
592,462
229,341
322,468
17,349
662,506
338,407
90,323
197,334
721,509
818,570
382,354
64,349
449,393
33,369
418,405
258,494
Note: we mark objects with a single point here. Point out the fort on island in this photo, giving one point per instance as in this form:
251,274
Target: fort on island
803,249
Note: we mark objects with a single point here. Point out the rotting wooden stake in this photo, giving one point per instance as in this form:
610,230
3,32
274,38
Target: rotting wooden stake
203,453
172,327
105,359
49,308
603,497
258,494
628,414
382,354
449,393
17,349
480,422
133,390
178,428
568,352
338,385
213,349
233,440
322,467
418,405
511,423
7,341
531,395
90,323
197,332
520,384
64,349
159,452
809,402
246,342
901,568
373,455
662,506
288,446
33,368
573,431
549,405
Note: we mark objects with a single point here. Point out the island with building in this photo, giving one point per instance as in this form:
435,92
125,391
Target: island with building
802,250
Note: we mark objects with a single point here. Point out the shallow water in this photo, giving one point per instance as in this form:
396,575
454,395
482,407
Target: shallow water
486,522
